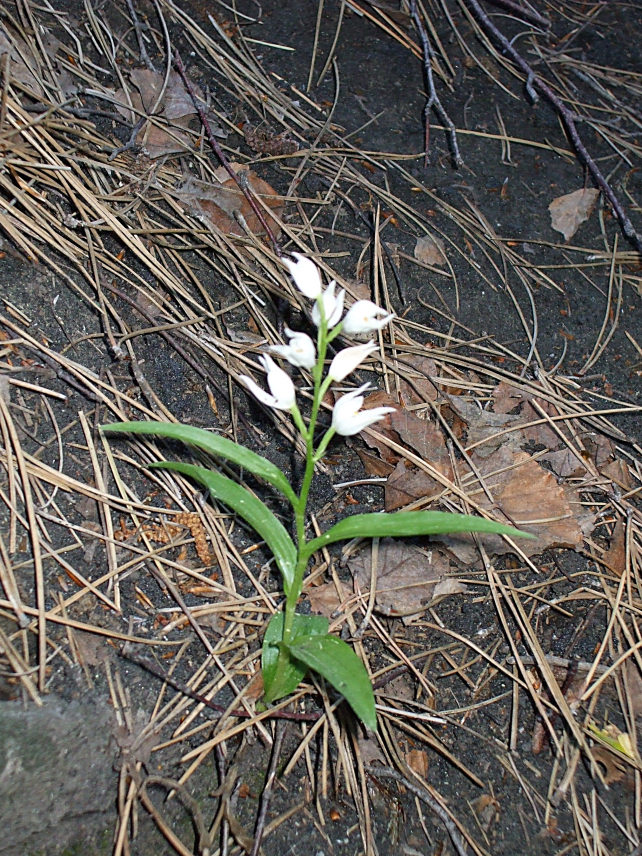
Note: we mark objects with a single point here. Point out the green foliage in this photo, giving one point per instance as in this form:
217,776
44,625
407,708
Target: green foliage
215,445
278,683
294,643
407,523
335,660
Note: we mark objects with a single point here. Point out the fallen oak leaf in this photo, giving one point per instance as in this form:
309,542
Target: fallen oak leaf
172,103
225,207
416,384
484,429
532,499
421,435
407,484
324,599
564,463
374,466
507,399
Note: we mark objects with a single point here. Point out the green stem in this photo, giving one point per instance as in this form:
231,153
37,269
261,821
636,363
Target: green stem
301,505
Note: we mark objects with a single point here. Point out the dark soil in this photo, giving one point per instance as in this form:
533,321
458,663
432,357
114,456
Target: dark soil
551,326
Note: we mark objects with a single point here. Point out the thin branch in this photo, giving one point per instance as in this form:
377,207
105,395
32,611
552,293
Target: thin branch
534,84
433,102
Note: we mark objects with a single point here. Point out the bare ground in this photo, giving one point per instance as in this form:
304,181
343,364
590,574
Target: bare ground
135,286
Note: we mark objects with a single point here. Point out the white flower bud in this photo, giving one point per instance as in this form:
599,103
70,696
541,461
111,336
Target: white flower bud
305,274
348,419
283,394
299,352
332,306
364,316
348,359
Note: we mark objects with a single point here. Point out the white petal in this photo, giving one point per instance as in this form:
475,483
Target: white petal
348,359
280,384
334,316
364,316
263,396
365,418
332,306
305,274
299,352
348,419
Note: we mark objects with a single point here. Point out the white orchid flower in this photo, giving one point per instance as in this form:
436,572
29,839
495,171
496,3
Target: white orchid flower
364,316
283,396
348,418
305,274
332,306
300,350
348,359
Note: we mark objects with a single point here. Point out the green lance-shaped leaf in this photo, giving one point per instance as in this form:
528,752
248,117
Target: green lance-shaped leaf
279,683
214,445
335,660
247,506
407,523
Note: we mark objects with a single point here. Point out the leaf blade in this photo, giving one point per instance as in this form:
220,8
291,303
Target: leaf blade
335,660
309,625
215,445
407,523
247,506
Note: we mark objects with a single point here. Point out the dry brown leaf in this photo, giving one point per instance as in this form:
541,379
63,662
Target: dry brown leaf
615,556
617,471
507,398
429,250
324,599
564,463
633,686
373,465
532,499
370,749
254,688
18,51
568,212
92,649
613,766
487,809
405,576
599,448
224,205
417,760
175,106
485,429
447,587
421,435
406,484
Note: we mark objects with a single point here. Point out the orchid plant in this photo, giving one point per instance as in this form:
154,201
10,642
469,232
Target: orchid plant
293,642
